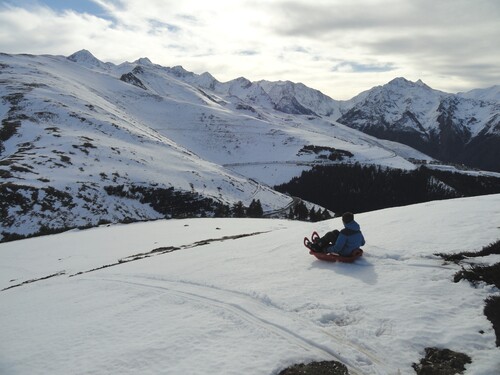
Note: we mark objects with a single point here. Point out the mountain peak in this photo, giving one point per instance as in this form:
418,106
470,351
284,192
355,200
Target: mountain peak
422,84
207,75
243,82
86,59
143,61
180,72
400,81
84,56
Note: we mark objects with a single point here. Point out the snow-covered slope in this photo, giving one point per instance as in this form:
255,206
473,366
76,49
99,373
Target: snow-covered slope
73,139
463,128
490,94
459,128
242,296
236,124
391,101
84,142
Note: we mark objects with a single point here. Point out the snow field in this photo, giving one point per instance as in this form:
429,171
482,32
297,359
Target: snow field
254,304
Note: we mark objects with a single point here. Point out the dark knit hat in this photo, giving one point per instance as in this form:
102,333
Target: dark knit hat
347,217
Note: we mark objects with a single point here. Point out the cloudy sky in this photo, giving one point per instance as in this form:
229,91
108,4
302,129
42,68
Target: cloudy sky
340,47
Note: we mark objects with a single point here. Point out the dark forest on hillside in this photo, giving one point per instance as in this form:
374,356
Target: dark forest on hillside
360,188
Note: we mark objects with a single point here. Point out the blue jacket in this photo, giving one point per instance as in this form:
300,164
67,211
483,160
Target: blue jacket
349,239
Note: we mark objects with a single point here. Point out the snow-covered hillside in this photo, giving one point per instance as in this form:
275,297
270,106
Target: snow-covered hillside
491,94
460,128
84,142
242,296
73,138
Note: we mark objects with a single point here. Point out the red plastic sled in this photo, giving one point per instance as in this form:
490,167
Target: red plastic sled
332,257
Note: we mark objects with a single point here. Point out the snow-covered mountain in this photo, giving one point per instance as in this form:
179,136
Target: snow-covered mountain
243,296
73,154
461,128
491,94
85,142
287,97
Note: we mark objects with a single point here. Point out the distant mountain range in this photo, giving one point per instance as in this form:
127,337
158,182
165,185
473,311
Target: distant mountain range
461,128
84,142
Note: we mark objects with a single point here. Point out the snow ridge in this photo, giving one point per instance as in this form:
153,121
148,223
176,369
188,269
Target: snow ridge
461,128
77,132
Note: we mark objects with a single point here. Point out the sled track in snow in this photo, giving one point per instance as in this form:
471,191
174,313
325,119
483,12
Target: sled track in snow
263,314
136,257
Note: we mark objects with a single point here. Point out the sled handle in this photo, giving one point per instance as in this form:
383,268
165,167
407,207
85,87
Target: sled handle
306,242
314,236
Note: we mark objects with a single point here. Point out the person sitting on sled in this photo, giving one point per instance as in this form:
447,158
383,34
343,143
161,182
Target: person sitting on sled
344,242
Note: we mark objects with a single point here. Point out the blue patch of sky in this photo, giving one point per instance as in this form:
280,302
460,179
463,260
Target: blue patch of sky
363,68
155,24
78,6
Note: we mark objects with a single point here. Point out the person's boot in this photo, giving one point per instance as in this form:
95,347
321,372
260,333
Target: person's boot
317,246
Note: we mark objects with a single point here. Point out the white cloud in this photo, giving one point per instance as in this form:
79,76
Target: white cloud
338,47
449,43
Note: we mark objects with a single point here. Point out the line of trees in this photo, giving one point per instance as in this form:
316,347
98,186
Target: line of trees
360,188
179,204
239,210
299,211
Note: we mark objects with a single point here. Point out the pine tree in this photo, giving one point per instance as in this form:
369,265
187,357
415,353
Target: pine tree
238,209
313,216
325,215
221,210
255,209
301,211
